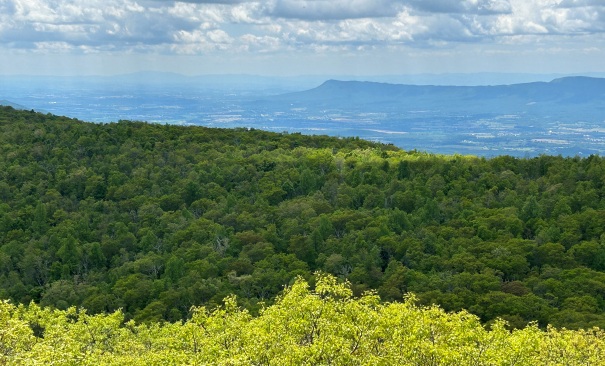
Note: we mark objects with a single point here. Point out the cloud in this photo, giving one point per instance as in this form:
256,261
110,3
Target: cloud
580,3
110,24
233,26
560,19
203,1
333,9
351,9
482,7
261,44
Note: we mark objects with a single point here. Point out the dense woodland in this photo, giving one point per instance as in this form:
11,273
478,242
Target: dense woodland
153,219
326,326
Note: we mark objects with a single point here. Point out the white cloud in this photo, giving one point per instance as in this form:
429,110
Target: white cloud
280,26
219,36
483,7
262,44
203,1
580,3
244,13
333,9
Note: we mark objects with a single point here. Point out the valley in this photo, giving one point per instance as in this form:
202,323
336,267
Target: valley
563,117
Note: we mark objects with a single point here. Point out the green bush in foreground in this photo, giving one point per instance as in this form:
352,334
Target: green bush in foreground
316,327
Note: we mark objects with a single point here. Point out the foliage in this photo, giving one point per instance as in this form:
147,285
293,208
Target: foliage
304,327
154,219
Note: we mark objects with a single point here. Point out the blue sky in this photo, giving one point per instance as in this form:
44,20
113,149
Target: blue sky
297,37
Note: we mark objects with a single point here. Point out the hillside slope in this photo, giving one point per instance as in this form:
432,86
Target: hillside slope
153,219
7,103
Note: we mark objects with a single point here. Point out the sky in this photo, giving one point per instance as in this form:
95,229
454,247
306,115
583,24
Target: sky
300,37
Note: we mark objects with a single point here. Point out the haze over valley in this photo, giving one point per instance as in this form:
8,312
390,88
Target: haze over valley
563,116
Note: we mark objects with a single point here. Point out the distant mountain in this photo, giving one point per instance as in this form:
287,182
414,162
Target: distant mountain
11,104
560,94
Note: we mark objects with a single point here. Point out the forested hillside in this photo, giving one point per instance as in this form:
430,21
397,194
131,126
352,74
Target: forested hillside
153,219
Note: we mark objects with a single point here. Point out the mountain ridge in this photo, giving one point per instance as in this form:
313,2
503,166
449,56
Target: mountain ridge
559,94
8,103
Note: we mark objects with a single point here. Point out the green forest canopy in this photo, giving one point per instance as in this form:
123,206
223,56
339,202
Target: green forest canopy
321,327
153,219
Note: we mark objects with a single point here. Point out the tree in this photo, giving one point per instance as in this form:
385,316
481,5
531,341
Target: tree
70,255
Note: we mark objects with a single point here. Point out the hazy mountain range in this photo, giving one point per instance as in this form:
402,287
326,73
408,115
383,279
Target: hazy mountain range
11,104
562,116
582,97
